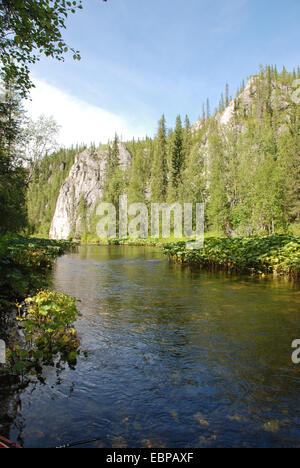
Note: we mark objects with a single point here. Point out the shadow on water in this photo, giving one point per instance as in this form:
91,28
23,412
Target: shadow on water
177,358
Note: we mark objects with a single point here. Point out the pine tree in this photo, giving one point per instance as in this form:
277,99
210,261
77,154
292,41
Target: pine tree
207,109
139,174
218,211
227,100
177,159
12,175
289,159
248,172
114,176
187,141
159,172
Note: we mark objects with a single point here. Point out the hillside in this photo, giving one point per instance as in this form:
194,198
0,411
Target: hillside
243,161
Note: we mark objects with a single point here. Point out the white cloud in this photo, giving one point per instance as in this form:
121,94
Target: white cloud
80,121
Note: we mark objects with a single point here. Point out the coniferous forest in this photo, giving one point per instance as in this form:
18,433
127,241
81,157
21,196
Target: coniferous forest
242,162
137,338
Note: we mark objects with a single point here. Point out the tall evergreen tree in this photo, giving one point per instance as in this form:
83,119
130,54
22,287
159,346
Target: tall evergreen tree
247,171
114,176
177,158
218,210
139,174
187,141
12,174
159,172
227,99
207,108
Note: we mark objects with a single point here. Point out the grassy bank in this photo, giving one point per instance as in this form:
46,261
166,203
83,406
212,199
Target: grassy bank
24,264
277,255
150,242
45,318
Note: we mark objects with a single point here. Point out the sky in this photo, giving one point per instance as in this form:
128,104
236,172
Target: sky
143,58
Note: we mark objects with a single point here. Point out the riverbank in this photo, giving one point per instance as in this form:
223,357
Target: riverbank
267,255
24,267
24,264
45,317
170,351
275,255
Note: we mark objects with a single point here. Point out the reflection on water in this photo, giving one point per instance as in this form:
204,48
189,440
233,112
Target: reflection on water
177,358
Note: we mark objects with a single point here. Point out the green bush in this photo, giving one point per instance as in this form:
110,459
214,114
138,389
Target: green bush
48,331
258,255
24,263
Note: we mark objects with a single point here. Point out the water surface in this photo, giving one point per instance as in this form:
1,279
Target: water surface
176,358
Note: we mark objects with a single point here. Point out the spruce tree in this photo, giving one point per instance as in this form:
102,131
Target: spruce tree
114,176
187,141
13,177
207,109
159,172
177,158
227,99
218,211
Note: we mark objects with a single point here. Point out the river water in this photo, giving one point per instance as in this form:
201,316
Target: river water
176,358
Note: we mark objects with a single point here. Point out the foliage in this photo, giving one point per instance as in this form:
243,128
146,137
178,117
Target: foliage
29,29
177,159
44,187
24,264
114,176
12,174
246,172
48,316
13,214
279,255
159,174
49,334
39,139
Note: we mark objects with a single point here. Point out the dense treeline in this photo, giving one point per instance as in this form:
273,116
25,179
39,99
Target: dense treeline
13,176
28,31
243,160
245,168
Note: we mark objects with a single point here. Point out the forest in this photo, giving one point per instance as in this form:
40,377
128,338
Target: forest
243,162
149,341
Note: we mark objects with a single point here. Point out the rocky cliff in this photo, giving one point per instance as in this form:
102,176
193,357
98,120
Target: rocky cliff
256,102
85,182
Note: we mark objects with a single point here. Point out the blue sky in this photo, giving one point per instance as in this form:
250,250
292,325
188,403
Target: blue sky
142,58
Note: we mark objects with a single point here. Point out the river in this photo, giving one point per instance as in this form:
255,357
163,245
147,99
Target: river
176,358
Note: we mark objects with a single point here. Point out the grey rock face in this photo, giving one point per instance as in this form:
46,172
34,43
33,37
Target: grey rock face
86,179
